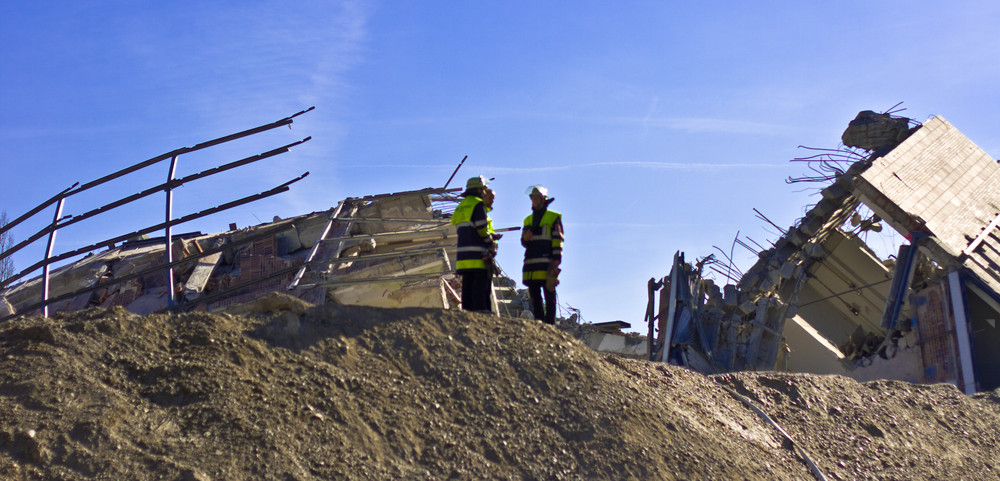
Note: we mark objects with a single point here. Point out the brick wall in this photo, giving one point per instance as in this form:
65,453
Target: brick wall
257,261
937,341
943,177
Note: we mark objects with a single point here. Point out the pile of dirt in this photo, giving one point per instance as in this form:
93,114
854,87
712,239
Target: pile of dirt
279,390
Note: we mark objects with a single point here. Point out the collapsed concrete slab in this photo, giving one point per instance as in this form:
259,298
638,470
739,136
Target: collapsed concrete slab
820,300
390,250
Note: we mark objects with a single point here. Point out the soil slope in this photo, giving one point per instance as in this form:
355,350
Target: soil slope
279,390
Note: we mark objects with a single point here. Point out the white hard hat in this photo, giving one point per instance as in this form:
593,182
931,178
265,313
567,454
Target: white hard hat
537,189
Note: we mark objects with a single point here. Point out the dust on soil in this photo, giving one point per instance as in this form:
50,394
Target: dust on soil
278,390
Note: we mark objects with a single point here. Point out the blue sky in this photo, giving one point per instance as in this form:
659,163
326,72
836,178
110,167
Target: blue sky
657,126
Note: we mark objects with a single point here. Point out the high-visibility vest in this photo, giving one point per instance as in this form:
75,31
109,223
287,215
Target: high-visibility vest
474,233
544,247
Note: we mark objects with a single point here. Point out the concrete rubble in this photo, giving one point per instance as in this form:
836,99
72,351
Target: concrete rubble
393,250
821,301
389,250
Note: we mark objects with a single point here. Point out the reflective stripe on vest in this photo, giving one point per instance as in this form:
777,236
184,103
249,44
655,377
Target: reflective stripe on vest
465,264
472,235
542,247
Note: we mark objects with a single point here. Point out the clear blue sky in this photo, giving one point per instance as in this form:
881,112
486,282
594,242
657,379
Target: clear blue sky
657,126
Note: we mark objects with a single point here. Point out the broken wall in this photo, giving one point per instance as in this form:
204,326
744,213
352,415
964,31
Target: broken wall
940,182
391,250
846,289
939,345
928,316
984,316
810,351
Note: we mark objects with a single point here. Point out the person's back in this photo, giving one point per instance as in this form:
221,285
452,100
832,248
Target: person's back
476,246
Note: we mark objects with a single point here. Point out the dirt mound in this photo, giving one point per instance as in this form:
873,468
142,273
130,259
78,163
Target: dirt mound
280,390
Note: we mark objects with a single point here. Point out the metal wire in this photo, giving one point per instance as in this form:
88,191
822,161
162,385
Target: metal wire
827,164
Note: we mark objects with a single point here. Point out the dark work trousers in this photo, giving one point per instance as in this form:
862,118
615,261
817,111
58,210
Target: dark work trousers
546,314
476,290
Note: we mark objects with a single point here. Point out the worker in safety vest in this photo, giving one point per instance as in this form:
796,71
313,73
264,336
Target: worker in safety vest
542,238
477,245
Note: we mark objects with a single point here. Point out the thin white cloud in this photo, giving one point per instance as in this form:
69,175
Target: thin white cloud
713,125
697,125
649,114
679,166
25,134
525,170
630,225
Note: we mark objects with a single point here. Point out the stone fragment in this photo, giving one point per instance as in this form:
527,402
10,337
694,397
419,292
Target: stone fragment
870,131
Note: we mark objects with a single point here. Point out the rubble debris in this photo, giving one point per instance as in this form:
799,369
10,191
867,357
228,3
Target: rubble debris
873,131
385,250
611,326
391,250
280,389
151,281
928,315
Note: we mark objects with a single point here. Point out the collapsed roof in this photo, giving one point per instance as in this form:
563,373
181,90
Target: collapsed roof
387,250
399,243
820,300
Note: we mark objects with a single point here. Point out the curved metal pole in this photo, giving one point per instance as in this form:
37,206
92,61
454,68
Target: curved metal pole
70,220
169,231
48,253
76,188
114,240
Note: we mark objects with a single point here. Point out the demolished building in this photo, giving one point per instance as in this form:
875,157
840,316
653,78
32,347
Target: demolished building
392,250
386,250
821,301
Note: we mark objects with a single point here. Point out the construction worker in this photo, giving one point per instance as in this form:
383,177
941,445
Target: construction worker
477,245
542,238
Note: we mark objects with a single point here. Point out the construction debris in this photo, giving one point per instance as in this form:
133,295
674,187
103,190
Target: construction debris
279,389
388,250
393,250
872,131
820,300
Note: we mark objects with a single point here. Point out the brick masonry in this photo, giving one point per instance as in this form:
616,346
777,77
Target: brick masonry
944,178
257,261
938,343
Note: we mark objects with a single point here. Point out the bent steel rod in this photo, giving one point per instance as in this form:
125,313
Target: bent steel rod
185,150
456,171
316,246
48,253
37,209
66,255
168,232
118,280
146,163
150,191
428,191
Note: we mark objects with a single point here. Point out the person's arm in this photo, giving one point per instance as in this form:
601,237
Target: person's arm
481,225
557,241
